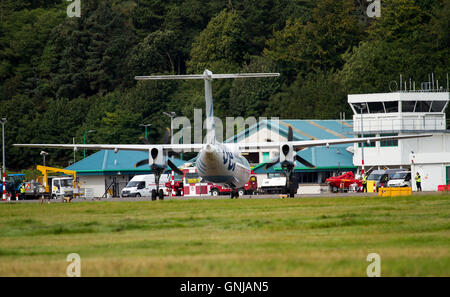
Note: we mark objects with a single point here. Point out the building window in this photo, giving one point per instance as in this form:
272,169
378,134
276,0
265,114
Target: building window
387,143
359,106
408,106
448,175
376,107
252,158
423,106
371,144
438,106
266,156
391,106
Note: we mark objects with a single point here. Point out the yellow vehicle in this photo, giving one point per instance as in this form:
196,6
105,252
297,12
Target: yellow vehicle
57,186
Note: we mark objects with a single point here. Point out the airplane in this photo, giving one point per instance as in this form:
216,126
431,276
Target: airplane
219,163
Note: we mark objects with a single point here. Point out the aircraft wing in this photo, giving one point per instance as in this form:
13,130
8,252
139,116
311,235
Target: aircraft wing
117,147
300,145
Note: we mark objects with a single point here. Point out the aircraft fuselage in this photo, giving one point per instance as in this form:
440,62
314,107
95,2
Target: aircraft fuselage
221,164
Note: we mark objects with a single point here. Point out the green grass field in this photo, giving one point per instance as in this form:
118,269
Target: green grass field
244,237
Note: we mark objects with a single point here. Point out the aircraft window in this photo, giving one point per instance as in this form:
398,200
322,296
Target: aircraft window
423,106
358,107
376,107
438,106
391,106
408,106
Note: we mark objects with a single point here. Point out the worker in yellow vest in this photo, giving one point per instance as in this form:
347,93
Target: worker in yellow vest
364,183
22,191
418,182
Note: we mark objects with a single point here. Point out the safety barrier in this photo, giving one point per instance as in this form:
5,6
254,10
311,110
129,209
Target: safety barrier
395,191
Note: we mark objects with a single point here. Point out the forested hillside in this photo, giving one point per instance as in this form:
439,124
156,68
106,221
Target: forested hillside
61,76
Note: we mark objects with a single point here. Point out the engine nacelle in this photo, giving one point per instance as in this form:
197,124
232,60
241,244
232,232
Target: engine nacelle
286,153
156,156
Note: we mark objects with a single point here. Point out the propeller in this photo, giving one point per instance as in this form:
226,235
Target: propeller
140,163
304,162
174,167
290,133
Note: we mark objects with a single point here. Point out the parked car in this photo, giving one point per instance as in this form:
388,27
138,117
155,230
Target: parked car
400,179
382,177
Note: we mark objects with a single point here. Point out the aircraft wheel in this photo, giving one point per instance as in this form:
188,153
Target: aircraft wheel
161,194
153,194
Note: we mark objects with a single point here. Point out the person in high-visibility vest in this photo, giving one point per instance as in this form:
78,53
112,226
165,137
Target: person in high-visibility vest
364,183
418,182
22,191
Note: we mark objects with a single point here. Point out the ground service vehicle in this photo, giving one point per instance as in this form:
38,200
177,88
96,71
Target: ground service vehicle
249,188
52,186
145,186
382,177
274,184
400,179
343,182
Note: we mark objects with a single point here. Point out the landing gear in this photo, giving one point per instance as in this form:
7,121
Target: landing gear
234,194
157,193
291,184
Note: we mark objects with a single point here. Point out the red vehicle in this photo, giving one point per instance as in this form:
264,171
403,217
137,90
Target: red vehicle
343,182
250,188
177,185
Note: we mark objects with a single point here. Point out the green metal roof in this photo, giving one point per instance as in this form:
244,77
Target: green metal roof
106,162
332,158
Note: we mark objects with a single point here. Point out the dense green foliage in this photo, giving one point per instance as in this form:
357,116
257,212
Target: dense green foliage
61,76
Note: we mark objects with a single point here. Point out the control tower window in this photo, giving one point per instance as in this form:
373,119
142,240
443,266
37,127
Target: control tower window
423,106
438,106
408,106
376,107
360,107
391,106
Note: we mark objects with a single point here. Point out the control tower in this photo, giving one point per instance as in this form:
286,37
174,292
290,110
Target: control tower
404,113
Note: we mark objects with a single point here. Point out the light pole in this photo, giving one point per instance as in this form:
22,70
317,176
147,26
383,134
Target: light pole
145,125
3,122
84,140
44,154
361,108
171,114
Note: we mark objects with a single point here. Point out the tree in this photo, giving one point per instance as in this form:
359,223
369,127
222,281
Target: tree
318,44
220,47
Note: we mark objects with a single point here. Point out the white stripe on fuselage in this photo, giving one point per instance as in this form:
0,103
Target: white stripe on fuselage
217,164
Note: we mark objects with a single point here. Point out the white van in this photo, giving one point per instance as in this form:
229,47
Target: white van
142,186
400,179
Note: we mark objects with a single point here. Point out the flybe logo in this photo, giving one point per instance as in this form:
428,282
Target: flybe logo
228,158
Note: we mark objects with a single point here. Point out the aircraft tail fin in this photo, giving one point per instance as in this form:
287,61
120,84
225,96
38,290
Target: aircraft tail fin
208,76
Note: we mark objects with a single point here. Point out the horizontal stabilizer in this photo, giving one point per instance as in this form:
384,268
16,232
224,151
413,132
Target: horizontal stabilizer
207,75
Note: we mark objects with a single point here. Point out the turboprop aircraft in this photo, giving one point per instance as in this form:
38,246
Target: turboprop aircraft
219,163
